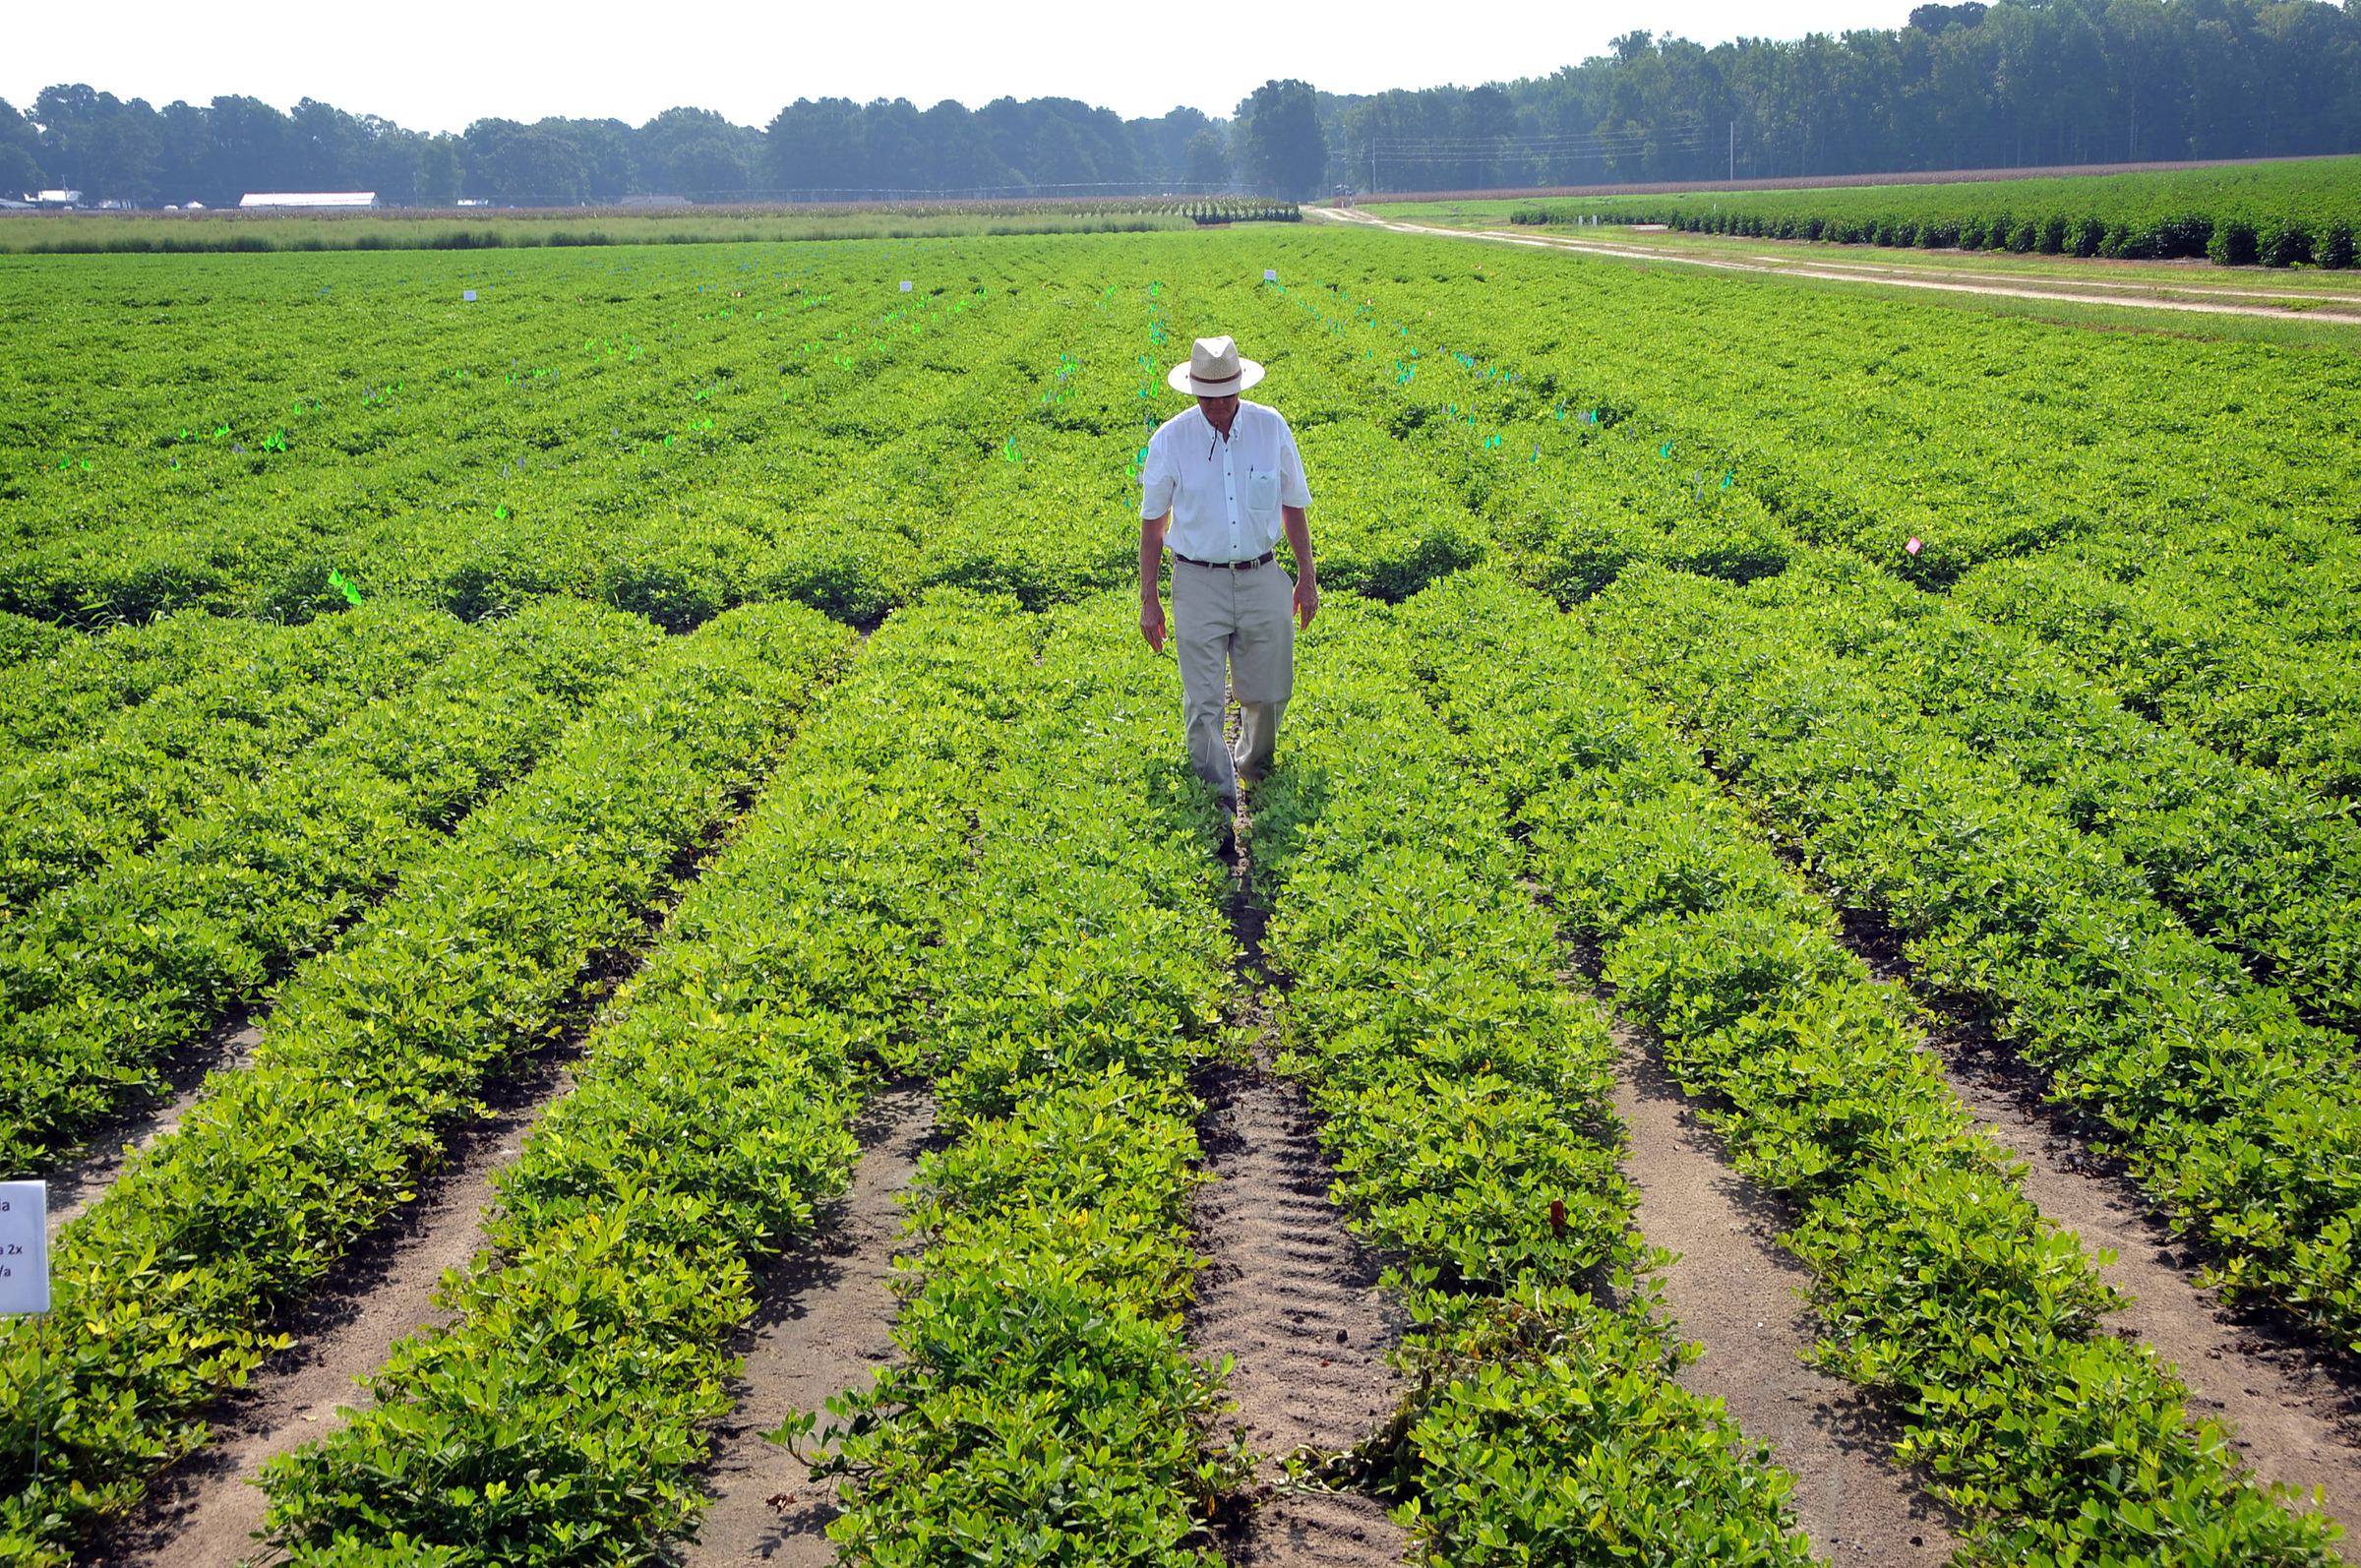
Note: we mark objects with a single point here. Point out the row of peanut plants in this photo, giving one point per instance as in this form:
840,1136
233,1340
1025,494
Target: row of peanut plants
2240,1119
173,1288
103,976
1462,1091
1940,1288
2171,518
676,434
2256,865
980,864
136,770
60,688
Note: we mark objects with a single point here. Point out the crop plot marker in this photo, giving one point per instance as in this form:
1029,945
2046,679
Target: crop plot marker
25,1278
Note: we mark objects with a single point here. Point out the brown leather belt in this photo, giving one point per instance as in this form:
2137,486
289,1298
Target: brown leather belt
1262,559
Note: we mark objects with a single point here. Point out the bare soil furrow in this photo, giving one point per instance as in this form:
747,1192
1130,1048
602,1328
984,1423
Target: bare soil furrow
74,1188
1738,1294
204,1512
2294,1404
825,1324
1288,1295
1291,1298
2293,1407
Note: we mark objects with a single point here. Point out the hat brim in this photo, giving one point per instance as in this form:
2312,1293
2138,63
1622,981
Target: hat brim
1179,379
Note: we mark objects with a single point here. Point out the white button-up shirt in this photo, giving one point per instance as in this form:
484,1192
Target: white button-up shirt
1224,495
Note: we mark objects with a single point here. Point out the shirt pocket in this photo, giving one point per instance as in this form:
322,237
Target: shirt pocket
1262,494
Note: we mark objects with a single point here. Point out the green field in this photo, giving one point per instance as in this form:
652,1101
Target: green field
390,663
2271,214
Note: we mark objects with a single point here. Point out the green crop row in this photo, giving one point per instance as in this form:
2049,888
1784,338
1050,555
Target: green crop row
973,864
2260,867
144,768
1940,1287
2170,516
2277,215
168,1291
100,980
60,688
1046,1408
1461,1095
2242,1120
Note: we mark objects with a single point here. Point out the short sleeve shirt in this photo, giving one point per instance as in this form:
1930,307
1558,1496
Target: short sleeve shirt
1224,495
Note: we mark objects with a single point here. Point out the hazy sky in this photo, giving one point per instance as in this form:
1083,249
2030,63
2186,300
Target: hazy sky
436,64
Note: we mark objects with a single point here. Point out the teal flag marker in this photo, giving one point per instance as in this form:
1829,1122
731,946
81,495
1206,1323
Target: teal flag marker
338,582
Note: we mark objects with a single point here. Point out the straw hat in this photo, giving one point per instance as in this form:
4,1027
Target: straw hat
1214,370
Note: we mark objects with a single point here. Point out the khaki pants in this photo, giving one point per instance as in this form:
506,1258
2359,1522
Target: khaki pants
1234,634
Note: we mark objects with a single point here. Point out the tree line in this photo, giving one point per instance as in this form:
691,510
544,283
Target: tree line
2022,83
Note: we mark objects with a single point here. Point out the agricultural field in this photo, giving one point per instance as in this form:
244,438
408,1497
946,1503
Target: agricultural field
2300,212
692,694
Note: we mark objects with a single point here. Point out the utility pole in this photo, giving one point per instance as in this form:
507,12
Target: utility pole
1733,152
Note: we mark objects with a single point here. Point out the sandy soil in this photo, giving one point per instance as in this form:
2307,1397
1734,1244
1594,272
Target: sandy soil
1293,1299
825,1324
73,1188
1740,1296
1286,1292
202,1513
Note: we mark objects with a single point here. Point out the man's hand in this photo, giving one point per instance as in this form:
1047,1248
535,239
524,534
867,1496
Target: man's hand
1308,601
1151,622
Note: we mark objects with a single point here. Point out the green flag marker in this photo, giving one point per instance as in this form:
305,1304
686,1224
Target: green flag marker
337,581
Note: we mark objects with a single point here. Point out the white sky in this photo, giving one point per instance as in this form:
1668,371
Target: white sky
435,65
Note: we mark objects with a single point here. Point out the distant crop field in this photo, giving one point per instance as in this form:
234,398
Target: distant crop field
693,694
2281,214
440,229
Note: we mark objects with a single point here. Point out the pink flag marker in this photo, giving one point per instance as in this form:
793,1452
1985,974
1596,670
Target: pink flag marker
1912,547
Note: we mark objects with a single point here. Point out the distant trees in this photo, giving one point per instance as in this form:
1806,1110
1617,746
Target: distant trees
1281,141
836,149
1966,84
2017,82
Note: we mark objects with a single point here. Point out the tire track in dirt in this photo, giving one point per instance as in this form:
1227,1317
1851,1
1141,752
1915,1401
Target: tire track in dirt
204,1512
1288,1294
825,1323
1739,1295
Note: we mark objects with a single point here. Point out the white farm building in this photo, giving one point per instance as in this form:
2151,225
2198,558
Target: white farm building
313,201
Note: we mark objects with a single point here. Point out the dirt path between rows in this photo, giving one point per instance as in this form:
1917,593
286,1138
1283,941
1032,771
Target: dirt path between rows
1739,1295
2338,311
74,1188
1287,1292
202,1513
2296,1418
825,1323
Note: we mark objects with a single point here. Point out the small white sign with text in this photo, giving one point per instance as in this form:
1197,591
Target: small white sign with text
24,1247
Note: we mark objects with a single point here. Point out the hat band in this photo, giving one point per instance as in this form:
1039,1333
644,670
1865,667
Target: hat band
1217,388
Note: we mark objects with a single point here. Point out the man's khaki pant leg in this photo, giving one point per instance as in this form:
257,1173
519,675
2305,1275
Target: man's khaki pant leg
1233,632
1262,666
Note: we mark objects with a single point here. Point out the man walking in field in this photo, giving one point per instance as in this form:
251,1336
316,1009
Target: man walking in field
1222,482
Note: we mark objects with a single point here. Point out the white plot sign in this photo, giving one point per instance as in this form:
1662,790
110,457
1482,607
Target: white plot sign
905,286
24,1247
1270,275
